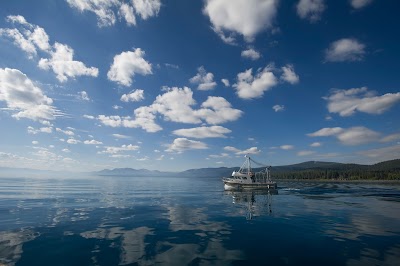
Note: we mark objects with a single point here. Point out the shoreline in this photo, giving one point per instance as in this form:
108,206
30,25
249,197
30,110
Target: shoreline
375,181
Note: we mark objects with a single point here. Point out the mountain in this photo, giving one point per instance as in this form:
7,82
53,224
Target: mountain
306,170
132,172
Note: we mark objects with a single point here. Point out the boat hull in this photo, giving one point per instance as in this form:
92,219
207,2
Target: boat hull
235,185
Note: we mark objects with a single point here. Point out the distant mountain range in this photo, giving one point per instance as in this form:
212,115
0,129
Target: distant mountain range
285,171
306,170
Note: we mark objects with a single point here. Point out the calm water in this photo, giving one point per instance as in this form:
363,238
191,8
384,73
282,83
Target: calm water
182,221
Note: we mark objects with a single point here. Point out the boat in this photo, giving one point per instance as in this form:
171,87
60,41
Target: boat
245,178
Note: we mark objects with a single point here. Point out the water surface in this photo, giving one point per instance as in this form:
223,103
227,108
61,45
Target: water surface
193,221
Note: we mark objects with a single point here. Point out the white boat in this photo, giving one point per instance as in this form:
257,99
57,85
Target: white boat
246,178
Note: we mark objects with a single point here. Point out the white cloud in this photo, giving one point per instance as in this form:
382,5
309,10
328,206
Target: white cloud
34,131
176,105
357,136
106,10
391,138
63,64
126,65
92,142
347,49
226,82
117,107
350,136
204,80
251,54
66,150
66,132
347,102
382,154
23,98
252,150
82,95
29,37
127,12
305,153
316,144
135,96
310,9
287,147
35,142
73,141
249,86
203,132
147,8
102,9
115,150
278,108
119,136
245,17
324,132
180,145
145,158
34,38
289,75
161,157
357,4
89,117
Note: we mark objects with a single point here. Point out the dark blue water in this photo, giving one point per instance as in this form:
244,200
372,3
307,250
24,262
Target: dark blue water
192,221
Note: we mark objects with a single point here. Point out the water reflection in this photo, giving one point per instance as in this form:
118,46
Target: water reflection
255,202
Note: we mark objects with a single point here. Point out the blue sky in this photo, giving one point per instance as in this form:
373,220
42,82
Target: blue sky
173,85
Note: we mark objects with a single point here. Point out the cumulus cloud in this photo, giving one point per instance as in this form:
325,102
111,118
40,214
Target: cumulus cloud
23,98
28,38
126,65
66,132
244,17
92,142
180,145
289,75
135,96
357,4
251,54
82,95
107,10
316,144
349,136
278,108
225,82
204,80
34,131
249,86
348,102
123,148
203,132
176,105
346,49
73,141
63,64
32,38
252,150
310,9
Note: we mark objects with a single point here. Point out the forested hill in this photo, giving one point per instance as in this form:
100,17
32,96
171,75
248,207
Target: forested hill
316,170
388,170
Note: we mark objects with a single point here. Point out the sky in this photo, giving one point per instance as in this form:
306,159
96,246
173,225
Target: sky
174,84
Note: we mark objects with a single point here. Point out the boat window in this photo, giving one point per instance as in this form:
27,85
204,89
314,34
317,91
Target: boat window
244,177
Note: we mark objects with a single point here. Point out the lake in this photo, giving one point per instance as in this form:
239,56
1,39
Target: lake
193,221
